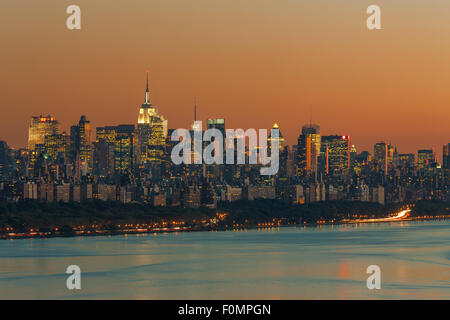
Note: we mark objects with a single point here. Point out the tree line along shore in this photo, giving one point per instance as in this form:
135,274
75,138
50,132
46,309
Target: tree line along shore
58,218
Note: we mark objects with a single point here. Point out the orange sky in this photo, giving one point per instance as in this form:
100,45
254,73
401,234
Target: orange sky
252,62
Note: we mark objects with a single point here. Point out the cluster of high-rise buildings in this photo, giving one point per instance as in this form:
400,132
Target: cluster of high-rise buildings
132,162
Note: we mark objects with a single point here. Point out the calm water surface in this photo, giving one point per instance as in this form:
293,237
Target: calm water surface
287,263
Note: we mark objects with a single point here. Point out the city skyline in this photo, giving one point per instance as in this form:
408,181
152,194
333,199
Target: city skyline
387,86
147,103
225,152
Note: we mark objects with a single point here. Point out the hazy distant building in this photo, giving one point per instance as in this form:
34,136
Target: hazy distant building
30,190
233,193
105,192
260,192
47,192
62,192
377,195
125,195
191,197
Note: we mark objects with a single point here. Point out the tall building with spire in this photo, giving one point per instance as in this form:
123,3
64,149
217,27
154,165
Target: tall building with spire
151,132
279,140
195,126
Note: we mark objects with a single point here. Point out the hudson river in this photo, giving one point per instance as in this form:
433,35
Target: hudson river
327,262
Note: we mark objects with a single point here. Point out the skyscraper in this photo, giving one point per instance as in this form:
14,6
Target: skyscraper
6,160
107,133
446,162
151,132
391,156
124,148
283,151
81,148
308,150
406,160
57,146
380,156
425,157
104,150
39,128
280,139
446,157
218,124
336,152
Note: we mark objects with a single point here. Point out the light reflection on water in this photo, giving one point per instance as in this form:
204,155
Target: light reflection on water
326,262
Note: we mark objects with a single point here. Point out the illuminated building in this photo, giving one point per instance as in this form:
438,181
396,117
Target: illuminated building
219,124
308,150
280,139
196,155
81,148
107,133
151,132
124,148
425,157
380,156
283,151
406,160
391,156
191,197
6,160
57,146
446,157
336,152
39,128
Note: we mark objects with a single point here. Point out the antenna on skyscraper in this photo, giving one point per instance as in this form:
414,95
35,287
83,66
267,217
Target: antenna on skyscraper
310,116
195,109
147,94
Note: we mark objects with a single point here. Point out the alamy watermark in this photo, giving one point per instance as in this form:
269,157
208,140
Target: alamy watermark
73,22
374,280
192,148
74,280
373,22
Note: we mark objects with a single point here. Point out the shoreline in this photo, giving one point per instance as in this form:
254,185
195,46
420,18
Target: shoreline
103,233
